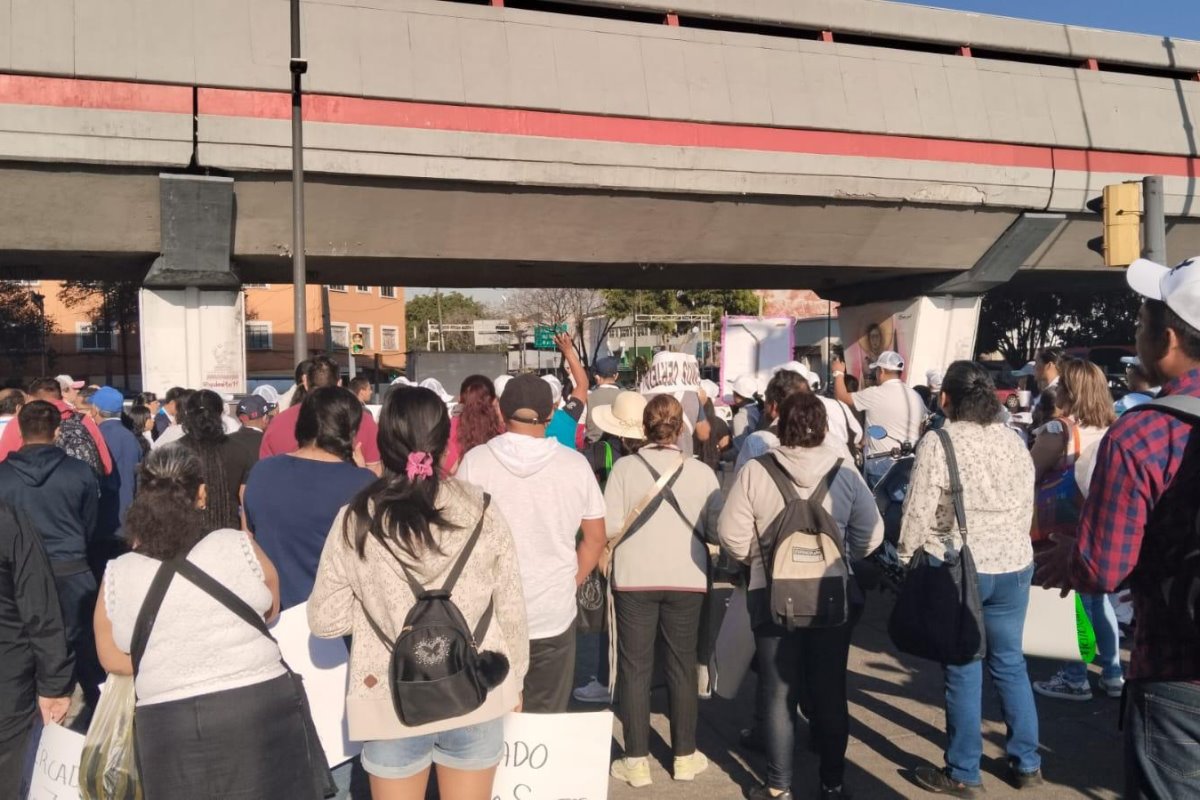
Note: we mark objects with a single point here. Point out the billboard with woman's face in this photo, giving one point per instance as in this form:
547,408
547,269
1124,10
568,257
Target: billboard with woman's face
872,329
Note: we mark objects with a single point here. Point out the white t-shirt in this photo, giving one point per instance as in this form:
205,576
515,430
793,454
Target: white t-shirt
894,407
543,490
197,646
842,421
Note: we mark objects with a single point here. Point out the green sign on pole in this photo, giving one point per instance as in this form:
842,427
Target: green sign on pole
543,336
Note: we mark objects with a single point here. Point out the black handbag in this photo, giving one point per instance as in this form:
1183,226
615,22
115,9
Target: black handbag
939,615
317,765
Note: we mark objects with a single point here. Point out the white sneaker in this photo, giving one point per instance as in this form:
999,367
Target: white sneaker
1113,688
705,685
594,692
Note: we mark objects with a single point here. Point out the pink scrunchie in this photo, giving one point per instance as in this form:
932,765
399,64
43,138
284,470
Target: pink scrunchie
420,465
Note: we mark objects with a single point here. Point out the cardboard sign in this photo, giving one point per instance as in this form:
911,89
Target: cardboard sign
323,663
735,648
55,774
555,757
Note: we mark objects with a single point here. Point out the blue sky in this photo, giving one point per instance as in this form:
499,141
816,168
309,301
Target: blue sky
1177,18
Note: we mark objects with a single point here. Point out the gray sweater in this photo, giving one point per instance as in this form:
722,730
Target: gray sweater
755,501
663,554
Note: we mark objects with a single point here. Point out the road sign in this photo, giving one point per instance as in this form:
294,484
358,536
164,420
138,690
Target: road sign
490,332
543,336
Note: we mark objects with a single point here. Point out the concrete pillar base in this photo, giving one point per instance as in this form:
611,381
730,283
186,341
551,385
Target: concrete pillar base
193,338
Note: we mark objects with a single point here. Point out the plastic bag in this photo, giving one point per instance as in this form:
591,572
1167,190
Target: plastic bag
108,769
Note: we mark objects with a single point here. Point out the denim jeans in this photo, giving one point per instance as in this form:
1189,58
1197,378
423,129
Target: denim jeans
1108,640
1005,598
812,662
1162,740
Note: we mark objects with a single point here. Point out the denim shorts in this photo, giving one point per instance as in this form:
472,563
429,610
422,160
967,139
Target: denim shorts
470,749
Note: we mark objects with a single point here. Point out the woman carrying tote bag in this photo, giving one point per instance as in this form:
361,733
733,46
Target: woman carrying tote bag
218,713
996,475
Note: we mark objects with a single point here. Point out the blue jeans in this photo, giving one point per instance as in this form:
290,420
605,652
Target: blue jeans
1005,598
1108,640
1162,740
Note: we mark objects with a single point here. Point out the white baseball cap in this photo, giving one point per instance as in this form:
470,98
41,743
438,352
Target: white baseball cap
888,360
933,378
1178,287
746,386
67,382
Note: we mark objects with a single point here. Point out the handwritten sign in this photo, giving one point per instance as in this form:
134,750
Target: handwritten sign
55,774
555,757
323,663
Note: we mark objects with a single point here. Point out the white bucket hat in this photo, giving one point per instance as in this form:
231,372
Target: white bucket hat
624,417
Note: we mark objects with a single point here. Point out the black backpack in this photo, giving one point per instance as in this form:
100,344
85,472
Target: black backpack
74,439
809,583
437,671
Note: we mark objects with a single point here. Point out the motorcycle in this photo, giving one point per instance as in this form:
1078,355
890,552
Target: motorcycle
883,567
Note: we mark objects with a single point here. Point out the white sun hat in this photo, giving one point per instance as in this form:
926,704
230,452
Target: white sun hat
624,417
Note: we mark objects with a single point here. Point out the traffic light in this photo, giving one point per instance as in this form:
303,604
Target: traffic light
356,343
1121,208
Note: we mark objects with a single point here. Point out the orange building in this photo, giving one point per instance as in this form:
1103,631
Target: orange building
76,346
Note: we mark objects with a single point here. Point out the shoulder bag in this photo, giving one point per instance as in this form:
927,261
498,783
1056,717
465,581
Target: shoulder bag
1058,500
938,614
322,779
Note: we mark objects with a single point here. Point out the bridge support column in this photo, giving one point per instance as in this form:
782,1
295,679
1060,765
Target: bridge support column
192,307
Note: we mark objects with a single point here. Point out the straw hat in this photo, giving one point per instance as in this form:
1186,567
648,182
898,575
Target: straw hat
624,417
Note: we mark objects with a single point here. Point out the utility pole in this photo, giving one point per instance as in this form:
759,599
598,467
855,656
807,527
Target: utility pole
298,67
1154,220
437,293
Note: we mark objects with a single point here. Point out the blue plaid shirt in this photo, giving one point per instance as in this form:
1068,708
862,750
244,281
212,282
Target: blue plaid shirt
1136,462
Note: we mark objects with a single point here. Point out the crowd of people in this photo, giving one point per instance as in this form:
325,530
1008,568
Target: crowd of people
155,539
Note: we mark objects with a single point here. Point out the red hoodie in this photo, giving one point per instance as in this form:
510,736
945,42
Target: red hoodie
11,441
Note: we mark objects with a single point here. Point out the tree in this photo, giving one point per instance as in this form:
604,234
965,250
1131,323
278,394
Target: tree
112,306
21,333
457,309
570,307
1019,322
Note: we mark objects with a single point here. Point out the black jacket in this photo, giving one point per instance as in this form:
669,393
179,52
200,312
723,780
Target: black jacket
34,660
58,494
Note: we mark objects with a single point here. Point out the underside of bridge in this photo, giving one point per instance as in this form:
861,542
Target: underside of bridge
59,222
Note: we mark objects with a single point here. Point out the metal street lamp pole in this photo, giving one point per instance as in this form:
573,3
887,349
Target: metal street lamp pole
298,67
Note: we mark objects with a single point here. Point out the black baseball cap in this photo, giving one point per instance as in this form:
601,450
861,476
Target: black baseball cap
253,407
608,367
527,399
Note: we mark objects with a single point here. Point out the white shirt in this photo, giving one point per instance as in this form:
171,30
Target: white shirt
895,408
543,490
197,646
175,431
843,423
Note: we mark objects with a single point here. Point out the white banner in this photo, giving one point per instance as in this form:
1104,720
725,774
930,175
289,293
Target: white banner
1050,629
55,773
323,663
554,756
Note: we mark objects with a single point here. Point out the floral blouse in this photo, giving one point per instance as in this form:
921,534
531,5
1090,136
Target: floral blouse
997,477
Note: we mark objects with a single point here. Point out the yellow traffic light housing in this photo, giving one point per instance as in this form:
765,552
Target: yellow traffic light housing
1121,207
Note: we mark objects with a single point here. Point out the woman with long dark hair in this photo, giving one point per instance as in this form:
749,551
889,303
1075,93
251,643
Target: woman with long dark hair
413,520
996,473
217,713
292,499
139,420
477,422
226,462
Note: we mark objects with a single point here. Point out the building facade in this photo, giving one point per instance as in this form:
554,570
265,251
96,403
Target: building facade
109,353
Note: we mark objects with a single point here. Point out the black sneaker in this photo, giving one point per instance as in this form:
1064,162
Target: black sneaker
834,794
937,781
764,793
751,739
1027,780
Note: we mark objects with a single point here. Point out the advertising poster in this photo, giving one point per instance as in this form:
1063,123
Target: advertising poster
869,330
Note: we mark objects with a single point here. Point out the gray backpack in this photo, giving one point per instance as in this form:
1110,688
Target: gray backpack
809,584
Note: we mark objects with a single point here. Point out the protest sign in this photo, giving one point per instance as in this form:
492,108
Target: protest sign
323,663
734,649
55,774
555,756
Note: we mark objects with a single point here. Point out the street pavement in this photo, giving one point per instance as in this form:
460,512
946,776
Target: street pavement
897,724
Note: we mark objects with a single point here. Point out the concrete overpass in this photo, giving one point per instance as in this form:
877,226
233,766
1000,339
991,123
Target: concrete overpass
774,143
